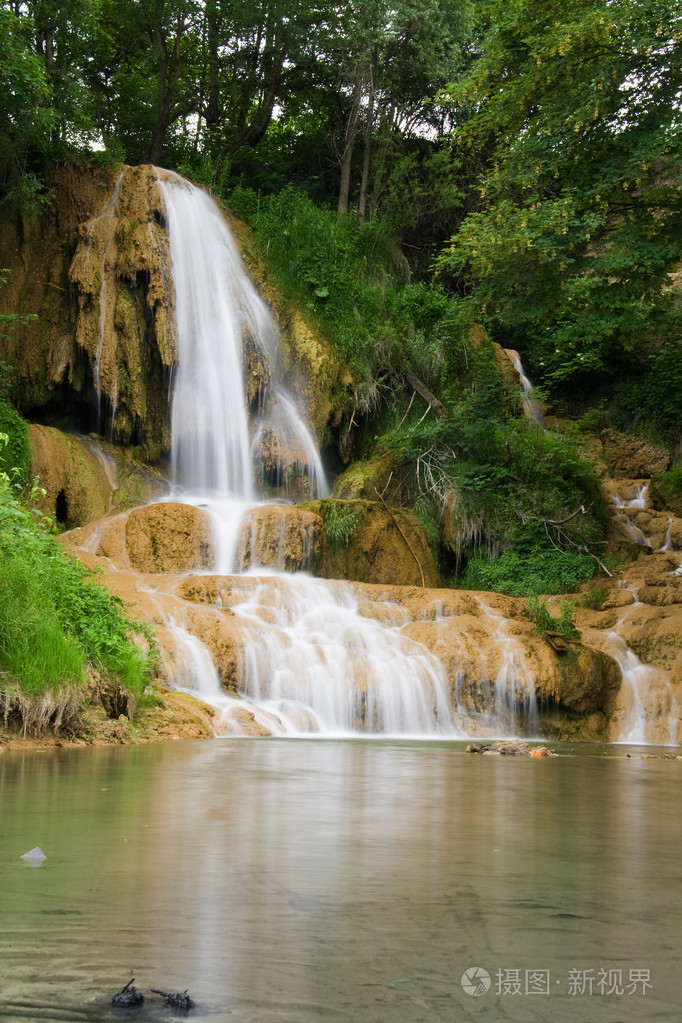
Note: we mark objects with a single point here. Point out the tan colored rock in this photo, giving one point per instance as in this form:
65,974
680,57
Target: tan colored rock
121,272
633,458
169,537
283,537
364,541
77,489
219,632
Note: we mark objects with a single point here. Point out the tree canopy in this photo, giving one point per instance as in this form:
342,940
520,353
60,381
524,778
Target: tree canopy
579,218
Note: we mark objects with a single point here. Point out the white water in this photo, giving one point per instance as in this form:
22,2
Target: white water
530,404
650,713
309,660
514,687
627,509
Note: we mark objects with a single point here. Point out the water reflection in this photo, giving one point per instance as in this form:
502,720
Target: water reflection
304,881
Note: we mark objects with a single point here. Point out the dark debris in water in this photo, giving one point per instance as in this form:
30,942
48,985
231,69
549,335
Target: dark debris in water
128,996
176,1001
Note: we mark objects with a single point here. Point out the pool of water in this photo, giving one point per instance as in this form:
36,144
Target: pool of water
283,880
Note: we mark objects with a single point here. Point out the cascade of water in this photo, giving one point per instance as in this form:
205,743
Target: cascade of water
649,714
219,317
310,661
627,509
215,306
514,686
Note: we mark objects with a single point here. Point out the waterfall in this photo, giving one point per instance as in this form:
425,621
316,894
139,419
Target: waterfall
531,407
309,661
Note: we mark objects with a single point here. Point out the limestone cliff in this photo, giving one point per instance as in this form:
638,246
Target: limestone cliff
98,354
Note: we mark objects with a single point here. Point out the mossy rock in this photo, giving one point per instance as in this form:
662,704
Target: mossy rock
75,484
379,545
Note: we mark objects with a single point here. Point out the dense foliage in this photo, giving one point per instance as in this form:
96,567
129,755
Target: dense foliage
349,276
579,220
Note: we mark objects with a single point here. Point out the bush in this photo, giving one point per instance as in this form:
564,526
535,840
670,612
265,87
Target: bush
539,571
56,619
15,456
539,613
341,519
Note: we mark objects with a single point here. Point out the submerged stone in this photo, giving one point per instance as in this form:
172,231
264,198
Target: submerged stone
34,857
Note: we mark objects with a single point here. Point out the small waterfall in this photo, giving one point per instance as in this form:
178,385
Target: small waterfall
649,714
313,661
531,406
628,504
513,691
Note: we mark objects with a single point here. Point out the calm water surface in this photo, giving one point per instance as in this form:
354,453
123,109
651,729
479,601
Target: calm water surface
301,880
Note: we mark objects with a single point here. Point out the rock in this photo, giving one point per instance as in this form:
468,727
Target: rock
34,857
365,542
127,997
169,537
77,489
283,537
633,458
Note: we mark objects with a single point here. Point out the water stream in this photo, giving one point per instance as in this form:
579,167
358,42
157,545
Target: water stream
310,661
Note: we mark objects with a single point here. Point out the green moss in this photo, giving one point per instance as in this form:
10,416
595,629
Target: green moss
341,519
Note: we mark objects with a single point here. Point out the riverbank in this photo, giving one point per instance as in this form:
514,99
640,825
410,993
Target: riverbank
173,717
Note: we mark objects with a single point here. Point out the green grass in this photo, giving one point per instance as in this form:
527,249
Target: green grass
59,626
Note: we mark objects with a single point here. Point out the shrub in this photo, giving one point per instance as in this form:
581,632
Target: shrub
56,618
539,613
341,519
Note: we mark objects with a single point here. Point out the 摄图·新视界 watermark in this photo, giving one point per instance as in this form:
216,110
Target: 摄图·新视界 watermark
577,982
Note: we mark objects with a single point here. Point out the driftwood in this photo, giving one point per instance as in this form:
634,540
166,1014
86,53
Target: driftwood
127,997
421,388
176,1001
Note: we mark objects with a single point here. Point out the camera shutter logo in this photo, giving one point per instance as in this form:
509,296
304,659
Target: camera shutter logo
476,981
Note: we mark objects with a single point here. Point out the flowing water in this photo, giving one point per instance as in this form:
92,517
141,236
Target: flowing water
310,661
290,882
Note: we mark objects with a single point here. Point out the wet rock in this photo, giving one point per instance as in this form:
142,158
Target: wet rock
34,857
282,537
169,537
365,542
180,1001
128,997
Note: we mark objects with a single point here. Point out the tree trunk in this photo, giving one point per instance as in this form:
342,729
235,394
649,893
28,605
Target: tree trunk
351,133
367,154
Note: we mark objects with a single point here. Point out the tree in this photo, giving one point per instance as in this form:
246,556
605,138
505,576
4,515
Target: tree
580,218
23,87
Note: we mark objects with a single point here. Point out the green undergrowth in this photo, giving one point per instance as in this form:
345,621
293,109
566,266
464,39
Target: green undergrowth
341,519
62,634
520,509
15,456
545,622
353,280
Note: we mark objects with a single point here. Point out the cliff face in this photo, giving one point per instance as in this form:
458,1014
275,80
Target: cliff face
94,272
121,278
